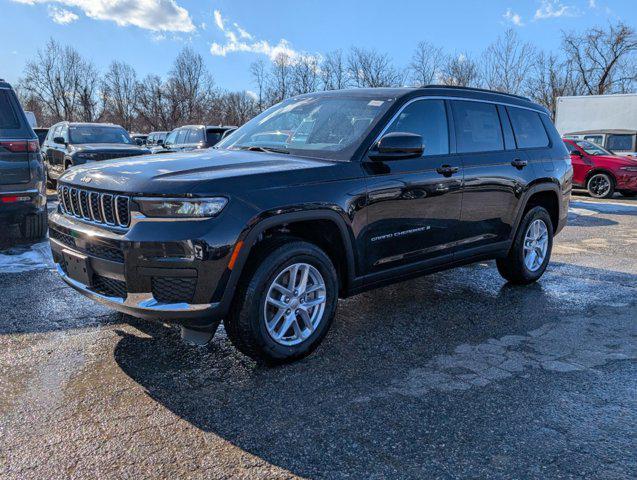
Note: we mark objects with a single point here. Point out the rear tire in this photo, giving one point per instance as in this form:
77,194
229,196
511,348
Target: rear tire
34,227
601,185
519,267
261,304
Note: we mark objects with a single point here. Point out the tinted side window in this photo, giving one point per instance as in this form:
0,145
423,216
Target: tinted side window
528,128
213,137
181,136
172,137
8,118
619,142
570,147
477,127
427,118
195,136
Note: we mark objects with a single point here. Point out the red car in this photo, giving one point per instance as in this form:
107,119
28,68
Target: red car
601,172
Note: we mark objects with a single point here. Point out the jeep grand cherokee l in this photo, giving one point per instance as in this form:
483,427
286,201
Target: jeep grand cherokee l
22,176
68,144
267,231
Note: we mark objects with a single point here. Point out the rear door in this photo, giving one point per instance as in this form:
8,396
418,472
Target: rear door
495,174
15,134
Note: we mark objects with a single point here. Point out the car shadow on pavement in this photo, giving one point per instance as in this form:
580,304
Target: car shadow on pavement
381,395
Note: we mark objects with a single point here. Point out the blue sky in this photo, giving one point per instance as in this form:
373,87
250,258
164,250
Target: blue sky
231,34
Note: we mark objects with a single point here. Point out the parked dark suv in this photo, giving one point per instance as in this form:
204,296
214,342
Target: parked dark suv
68,144
22,175
378,186
194,137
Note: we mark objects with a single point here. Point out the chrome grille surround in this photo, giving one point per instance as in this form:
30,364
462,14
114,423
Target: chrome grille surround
96,207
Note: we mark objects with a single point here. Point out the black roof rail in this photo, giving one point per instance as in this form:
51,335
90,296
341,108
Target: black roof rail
483,90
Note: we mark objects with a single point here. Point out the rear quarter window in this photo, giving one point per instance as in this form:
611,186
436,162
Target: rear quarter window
8,117
477,127
528,128
620,142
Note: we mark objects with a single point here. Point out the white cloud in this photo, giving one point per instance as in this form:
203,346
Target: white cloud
239,40
554,9
513,17
62,15
592,3
155,15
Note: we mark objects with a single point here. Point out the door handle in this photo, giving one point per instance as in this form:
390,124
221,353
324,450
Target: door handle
447,170
519,164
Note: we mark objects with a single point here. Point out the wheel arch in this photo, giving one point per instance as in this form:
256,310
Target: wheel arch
596,170
546,195
319,227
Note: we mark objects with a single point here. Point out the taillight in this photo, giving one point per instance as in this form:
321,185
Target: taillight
21,146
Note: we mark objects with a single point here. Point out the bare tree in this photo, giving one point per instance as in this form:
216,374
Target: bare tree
507,63
190,88
603,59
305,70
426,63
461,71
550,78
119,89
259,76
368,68
333,71
238,108
62,81
152,105
280,78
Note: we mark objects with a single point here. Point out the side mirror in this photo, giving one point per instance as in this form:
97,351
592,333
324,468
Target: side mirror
397,146
160,142
577,153
59,140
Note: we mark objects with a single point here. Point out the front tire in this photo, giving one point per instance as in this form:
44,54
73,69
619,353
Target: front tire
531,250
285,307
601,185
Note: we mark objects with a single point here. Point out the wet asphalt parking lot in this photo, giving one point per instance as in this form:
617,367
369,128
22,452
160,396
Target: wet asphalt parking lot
454,375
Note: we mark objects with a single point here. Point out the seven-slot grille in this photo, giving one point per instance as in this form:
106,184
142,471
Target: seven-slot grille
98,207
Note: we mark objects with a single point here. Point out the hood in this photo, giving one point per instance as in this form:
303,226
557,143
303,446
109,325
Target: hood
108,147
617,160
181,173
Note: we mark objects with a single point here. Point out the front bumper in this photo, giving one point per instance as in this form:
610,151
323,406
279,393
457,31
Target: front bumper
627,181
151,271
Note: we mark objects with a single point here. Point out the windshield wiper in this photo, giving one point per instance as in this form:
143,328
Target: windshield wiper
255,148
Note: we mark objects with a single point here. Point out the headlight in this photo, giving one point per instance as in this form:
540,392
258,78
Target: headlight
629,169
181,208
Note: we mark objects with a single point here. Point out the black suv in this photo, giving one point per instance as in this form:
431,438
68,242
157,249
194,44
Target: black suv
68,144
322,196
194,137
22,175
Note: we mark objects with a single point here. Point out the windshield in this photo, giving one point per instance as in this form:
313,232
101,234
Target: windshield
591,148
322,125
98,134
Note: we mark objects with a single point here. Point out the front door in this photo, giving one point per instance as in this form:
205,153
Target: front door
414,204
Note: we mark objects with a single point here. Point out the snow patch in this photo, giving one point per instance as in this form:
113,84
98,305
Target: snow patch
25,259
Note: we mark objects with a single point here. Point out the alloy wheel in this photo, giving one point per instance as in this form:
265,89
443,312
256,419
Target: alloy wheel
294,304
536,243
599,185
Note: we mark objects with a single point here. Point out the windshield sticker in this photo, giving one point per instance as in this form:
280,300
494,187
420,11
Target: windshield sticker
375,103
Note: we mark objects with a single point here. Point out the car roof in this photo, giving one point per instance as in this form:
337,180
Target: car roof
432,91
612,131
80,124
